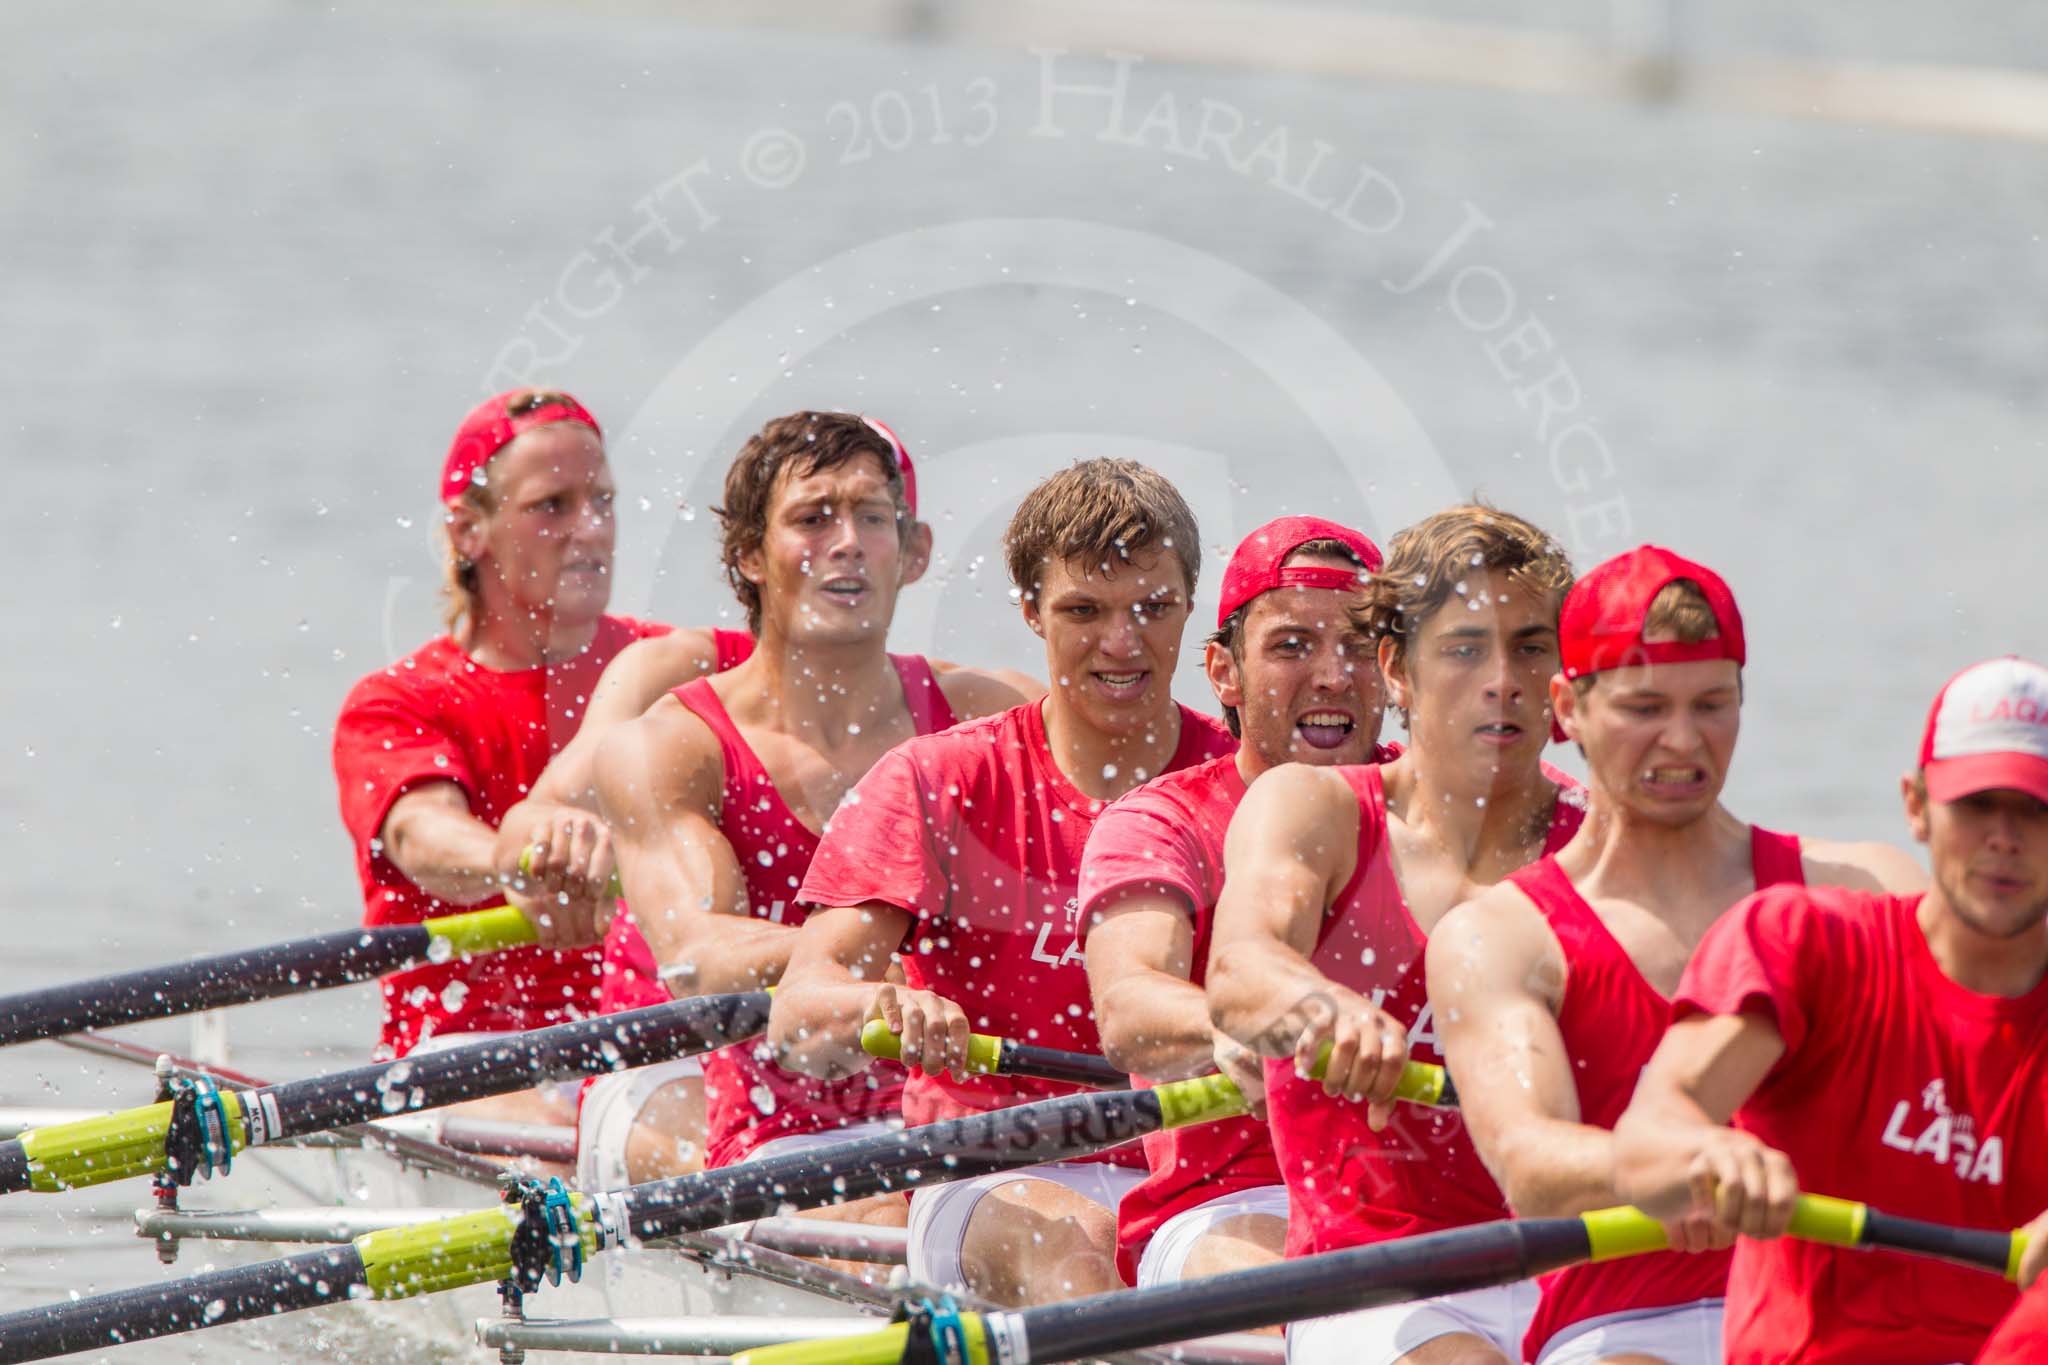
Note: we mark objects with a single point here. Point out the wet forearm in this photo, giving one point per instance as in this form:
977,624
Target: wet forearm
1261,994
816,1023
444,851
1156,1025
1550,1168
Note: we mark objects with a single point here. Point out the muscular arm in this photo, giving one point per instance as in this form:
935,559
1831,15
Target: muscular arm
1154,1022
1862,867
639,676
659,783
1496,978
1292,845
836,974
1673,1150
430,836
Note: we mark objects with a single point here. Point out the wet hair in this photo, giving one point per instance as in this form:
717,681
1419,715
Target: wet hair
1428,565
1097,513
1231,633
796,446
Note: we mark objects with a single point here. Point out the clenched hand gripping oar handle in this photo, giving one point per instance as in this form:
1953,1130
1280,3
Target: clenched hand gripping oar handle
1362,1277
987,1054
140,1141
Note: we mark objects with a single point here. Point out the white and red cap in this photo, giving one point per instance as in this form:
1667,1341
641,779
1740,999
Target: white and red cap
903,465
1260,564
1988,731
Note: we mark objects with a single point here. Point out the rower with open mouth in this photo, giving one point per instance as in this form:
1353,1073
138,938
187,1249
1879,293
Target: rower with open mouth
1552,989
962,853
1335,877
1298,682
432,752
716,795
1875,1046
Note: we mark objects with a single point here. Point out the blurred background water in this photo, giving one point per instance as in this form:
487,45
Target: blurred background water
260,257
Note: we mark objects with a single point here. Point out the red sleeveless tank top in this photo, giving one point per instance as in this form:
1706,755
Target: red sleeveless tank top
748,1099
1611,1021
1347,1185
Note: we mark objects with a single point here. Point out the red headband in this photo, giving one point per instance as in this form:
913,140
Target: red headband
903,465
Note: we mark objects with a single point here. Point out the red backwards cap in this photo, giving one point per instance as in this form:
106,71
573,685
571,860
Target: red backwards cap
1601,623
903,465
1260,564
492,425
1988,730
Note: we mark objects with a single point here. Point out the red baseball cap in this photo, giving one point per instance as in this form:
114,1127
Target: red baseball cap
492,425
1988,730
1600,625
903,465
1260,564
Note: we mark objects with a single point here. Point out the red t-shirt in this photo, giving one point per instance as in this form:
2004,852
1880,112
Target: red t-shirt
1898,1088
978,835
1347,1185
1168,834
2022,1337
1611,1020
438,715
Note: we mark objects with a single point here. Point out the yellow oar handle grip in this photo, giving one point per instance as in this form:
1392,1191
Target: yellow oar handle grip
984,1052
884,1347
110,1147
612,888
1628,1231
479,931
2018,1254
1420,1083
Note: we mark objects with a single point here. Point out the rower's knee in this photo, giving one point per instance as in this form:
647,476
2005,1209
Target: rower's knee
1455,1348
1252,1239
1036,1241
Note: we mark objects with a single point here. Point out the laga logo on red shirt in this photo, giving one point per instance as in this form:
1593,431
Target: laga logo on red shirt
1948,1138
1041,950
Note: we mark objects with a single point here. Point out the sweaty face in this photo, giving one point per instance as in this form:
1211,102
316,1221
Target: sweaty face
1307,689
1990,856
1659,737
549,535
831,561
1112,636
1475,675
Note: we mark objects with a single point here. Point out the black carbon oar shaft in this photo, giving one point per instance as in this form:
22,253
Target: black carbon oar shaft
1053,1064
118,1146
310,964
1315,1286
209,1300
474,1248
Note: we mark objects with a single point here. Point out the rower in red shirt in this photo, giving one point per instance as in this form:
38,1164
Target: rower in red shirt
716,794
432,751
1886,1049
1336,877
1298,683
959,855
1551,990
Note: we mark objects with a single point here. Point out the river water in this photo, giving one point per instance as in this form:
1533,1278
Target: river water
260,257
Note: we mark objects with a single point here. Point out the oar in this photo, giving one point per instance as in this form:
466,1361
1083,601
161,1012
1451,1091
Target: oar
238,978
988,1054
206,1127
477,1248
1343,1281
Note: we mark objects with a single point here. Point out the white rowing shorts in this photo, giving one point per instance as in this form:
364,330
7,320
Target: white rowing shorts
1379,1336
1687,1334
939,1213
1165,1257
611,1106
